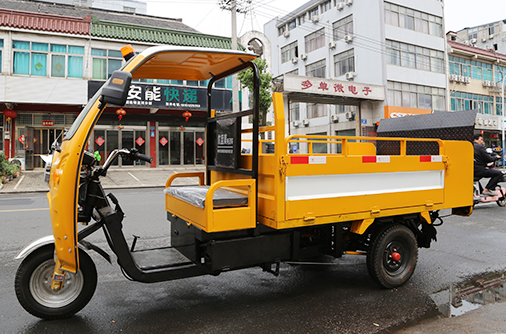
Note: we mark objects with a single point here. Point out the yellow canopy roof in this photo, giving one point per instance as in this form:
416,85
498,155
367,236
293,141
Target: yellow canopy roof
186,63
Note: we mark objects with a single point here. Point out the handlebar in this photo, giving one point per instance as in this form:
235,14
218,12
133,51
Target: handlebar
133,154
139,156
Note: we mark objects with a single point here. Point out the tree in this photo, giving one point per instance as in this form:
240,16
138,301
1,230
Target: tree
246,80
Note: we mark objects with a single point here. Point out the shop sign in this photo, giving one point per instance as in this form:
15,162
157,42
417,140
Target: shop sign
140,141
163,141
170,97
100,141
200,141
47,123
322,86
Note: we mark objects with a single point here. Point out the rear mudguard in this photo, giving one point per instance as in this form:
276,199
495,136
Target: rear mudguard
47,240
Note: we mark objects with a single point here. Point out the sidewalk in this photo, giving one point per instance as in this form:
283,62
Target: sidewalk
33,181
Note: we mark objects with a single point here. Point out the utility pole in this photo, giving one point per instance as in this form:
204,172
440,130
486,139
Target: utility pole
234,6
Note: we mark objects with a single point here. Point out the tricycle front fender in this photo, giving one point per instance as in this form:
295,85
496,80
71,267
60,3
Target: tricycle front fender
34,246
48,240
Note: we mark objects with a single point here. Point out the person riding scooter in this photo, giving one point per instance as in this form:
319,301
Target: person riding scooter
481,160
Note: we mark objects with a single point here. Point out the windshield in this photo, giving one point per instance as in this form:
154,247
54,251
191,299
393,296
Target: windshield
70,133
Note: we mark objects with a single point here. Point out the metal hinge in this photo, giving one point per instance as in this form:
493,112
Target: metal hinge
282,167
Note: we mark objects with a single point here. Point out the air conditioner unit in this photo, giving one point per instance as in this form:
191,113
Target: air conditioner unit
286,33
295,60
491,36
462,78
332,45
349,2
483,40
486,83
340,5
295,124
303,56
467,80
305,122
348,38
454,77
334,118
350,75
349,115
315,19
472,40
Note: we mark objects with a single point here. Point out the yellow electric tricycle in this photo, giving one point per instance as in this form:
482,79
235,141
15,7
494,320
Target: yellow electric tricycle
370,196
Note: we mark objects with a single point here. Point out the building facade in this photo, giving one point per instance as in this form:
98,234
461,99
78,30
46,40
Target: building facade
344,65
55,57
488,36
475,78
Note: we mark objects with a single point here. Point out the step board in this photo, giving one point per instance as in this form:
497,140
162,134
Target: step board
159,258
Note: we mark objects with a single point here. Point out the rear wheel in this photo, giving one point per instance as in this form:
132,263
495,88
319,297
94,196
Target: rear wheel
392,257
501,201
33,285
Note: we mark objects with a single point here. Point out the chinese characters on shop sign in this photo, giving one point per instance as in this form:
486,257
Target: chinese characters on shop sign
337,87
169,96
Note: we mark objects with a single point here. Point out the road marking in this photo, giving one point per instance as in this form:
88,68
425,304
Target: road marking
19,210
19,182
136,179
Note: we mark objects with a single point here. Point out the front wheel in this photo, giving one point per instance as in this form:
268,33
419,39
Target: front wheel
392,257
33,285
501,201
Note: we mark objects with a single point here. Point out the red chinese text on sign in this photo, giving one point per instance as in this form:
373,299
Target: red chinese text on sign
338,88
100,141
163,141
140,141
367,90
200,141
306,84
323,86
353,89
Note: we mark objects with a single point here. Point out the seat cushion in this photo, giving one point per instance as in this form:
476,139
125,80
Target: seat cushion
196,195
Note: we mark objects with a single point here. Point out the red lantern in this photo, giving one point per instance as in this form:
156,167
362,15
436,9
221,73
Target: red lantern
187,115
120,112
9,113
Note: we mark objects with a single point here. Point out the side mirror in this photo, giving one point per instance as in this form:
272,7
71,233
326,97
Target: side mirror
115,91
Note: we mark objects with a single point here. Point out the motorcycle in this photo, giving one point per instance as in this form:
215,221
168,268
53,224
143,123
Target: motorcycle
499,193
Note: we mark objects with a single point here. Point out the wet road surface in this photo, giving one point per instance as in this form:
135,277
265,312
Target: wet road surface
338,298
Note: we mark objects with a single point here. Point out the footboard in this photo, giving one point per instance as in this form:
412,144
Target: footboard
210,217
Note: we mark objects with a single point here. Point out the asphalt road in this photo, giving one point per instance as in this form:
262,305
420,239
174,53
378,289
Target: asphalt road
337,298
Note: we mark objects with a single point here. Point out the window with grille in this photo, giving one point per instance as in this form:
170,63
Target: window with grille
344,63
315,40
316,69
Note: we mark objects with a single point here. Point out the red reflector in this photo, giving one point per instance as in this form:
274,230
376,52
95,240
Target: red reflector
299,160
425,158
369,158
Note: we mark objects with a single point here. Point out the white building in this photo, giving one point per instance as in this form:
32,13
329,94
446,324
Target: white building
356,62
488,36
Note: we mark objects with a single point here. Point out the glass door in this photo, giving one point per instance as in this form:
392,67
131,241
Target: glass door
107,140
27,141
127,141
112,143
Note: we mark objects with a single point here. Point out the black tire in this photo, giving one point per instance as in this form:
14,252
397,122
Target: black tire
501,201
33,285
382,268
